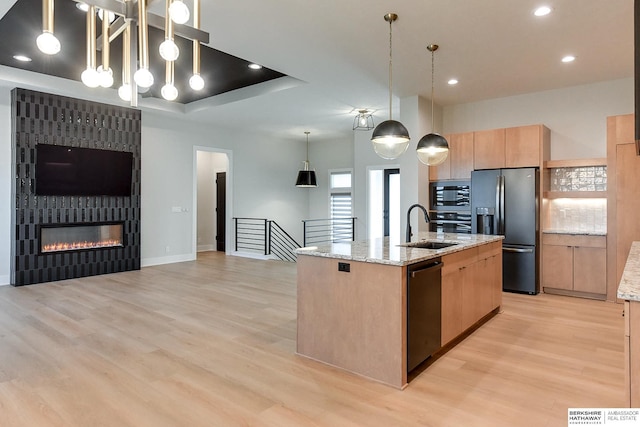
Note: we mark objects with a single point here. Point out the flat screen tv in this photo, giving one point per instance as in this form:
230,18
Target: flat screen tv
70,171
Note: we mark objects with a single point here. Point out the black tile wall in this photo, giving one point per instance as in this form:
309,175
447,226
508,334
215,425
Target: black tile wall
42,118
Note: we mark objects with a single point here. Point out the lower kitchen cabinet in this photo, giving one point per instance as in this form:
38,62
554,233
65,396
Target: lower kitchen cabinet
574,265
471,288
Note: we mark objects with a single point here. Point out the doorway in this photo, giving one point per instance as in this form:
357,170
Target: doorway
221,210
384,203
211,200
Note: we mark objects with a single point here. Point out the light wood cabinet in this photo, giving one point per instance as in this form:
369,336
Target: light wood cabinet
516,147
523,146
575,263
459,162
488,149
471,288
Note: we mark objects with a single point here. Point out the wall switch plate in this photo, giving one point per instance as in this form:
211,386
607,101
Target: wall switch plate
344,266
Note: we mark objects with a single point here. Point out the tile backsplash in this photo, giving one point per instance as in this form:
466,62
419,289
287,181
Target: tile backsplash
578,215
587,178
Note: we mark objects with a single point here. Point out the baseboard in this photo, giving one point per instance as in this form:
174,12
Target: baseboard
205,248
148,262
252,255
5,280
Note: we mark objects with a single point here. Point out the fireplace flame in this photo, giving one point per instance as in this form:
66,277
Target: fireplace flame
73,246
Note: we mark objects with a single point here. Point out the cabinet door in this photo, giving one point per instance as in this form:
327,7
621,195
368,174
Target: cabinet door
471,295
522,146
451,320
461,153
557,267
488,149
590,270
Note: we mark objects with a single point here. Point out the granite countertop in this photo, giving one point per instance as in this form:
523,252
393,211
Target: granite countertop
574,232
629,287
381,251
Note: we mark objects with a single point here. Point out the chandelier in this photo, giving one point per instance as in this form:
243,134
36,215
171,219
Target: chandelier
120,17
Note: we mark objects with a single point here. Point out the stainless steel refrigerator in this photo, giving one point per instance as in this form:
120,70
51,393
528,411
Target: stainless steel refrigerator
505,201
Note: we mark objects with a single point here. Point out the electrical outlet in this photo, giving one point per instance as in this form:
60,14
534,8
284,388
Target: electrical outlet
344,266
167,249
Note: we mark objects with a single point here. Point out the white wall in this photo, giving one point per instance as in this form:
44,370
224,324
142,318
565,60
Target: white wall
575,115
263,169
323,156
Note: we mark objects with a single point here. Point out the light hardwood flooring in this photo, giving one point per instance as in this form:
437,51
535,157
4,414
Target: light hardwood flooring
212,343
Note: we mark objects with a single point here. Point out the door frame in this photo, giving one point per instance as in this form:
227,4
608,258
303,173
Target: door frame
229,238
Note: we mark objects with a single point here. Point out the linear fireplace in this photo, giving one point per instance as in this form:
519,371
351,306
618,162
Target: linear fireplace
75,237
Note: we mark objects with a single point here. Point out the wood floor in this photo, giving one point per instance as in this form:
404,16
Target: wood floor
211,343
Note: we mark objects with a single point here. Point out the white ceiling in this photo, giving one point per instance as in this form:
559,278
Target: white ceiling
338,51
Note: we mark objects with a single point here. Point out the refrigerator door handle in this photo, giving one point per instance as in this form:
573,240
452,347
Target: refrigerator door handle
498,201
501,205
520,251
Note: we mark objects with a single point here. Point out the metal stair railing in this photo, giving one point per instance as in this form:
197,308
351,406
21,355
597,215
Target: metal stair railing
281,244
266,237
316,231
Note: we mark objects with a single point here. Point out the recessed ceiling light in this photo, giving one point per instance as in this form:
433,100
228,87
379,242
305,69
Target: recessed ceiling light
22,58
82,6
542,11
255,66
453,82
568,58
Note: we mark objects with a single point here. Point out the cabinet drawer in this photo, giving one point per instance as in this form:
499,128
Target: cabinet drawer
574,240
453,262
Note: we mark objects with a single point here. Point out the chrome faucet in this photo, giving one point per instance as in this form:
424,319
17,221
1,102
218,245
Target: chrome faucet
426,218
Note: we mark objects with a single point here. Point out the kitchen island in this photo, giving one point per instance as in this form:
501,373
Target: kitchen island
629,291
353,299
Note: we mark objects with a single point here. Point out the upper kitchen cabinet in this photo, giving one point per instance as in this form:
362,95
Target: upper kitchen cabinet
459,162
488,149
526,146
517,147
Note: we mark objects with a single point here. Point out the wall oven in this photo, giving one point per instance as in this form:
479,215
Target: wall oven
450,206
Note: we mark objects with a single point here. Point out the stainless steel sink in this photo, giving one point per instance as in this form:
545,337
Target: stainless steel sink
430,244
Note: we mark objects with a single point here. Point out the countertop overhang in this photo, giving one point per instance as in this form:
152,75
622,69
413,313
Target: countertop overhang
383,251
629,287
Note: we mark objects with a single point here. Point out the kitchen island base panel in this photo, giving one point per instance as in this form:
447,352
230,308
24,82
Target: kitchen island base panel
354,320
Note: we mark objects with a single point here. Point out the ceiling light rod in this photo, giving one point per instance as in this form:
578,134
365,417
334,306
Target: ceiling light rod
432,148
390,18
156,21
432,48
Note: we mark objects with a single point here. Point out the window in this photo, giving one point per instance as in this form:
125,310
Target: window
340,205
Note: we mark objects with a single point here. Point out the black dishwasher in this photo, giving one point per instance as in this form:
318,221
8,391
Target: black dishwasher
423,311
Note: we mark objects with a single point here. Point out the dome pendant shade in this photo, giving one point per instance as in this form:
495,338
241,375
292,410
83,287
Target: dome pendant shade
432,149
390,139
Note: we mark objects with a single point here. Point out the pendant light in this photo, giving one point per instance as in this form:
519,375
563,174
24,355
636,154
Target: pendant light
104,71
196,81
90,76
363,120
306,177
168,49
143,76
390,138
432,148
47,42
